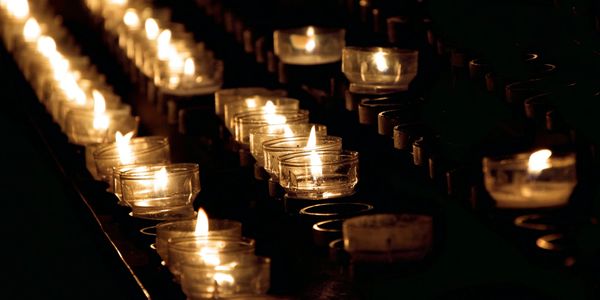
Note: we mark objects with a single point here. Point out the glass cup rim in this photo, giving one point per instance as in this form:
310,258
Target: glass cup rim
171,168
258,116
166,224
345,156
156,140
273,145
558,159
177,243
255,260
260,131
387,50
364,207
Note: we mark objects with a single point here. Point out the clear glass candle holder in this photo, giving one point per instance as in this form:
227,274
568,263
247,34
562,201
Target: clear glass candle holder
256,104
206,79
225,96
385,238
266,133
139,150
378,70
80,129
248,276
172,230
309,45
530,180
161,192
317,175
245,122
206,251
275,148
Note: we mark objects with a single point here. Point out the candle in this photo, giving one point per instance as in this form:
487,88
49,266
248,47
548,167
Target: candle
319,174
258,136
225,96
309,45
276,148
127,150
530,180
161,191
245,122
201,226
388,237
378,70
255,103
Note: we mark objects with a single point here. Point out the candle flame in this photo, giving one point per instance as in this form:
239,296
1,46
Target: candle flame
176,63
124,147
32,30
539,161
101,120
380,61
312,139
18,8
201,223
152,29
310,43
161,179
250,103
316,165
270,116
269,107
46,45
189,68
131,18
287,131
164,38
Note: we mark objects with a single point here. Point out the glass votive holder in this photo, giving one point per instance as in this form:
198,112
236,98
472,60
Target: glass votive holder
248,276
225,96
171,230
206,78
388,238
80,126
206,251
328,211
309,45
161,192
378,70
139,150
317,175
256,103
245,122
270,132
275,148
530,180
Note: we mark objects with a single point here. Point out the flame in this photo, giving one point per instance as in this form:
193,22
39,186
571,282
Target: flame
161,180
118,2
124,147
152,29
270,116
18,8
287,131
250,103
539,161
310,43
131,18
176,63
269,107
380,61
101,120
32,30
316,165
189,68
201,223
46,45
312,139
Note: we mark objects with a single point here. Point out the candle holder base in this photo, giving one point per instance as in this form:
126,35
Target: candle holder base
292,206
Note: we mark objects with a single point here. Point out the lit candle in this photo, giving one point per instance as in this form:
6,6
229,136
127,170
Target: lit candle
535,180
379,70
309,45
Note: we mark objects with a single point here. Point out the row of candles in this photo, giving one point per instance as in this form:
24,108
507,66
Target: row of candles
300,156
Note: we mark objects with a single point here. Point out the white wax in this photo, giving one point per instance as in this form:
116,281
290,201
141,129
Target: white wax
532,195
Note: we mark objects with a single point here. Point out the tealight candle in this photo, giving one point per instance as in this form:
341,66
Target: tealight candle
201,226
245,122
530,180
379,70
275,148
260,103
225,96
388,237
309,45
245,278
318,175
266,133
127,151
161,192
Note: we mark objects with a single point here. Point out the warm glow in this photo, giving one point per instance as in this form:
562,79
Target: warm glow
316,165
131,18
189,68
287,131
222,278
118,2
269,107
161,179
32,30
46,45
311,43
270,116
380,61
250,103
18,8
201,223
152,29
124,147
101,120
163,44
312,139
176,63
539,161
